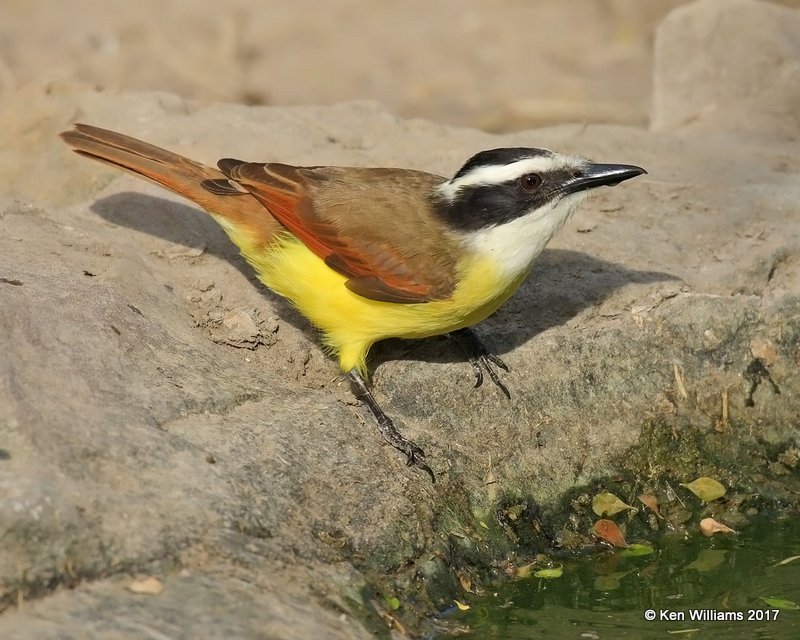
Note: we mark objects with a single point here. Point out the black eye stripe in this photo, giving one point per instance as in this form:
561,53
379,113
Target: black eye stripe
479,206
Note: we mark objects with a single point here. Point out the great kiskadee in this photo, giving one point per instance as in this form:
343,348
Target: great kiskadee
367,254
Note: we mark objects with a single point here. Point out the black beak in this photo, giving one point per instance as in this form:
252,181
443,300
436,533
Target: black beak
599,175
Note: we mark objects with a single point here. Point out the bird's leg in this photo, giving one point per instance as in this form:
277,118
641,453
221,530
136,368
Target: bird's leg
415,455
480,358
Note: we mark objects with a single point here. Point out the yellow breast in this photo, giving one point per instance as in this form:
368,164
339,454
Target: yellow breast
351,324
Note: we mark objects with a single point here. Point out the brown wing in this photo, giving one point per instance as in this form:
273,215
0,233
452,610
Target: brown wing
179,174
371,225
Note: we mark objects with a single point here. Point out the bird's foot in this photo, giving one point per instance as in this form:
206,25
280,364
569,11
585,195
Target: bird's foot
415,456
480,359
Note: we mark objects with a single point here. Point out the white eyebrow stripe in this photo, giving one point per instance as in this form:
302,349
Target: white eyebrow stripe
497,174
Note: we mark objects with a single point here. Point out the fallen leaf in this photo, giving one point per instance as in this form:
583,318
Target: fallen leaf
786,561
524,571
778,603
390,620
461,606
708,560
557,572
464,580
607,504
709,526
707,489
651,502
608,531
633,550
150,586
610,582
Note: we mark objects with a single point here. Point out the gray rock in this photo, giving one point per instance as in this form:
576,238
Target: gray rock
462,64
248,482
728,65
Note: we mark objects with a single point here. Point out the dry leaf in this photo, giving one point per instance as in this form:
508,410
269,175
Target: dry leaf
466,583
608,531
651,502
707,489
524,571
786,561
461,606
393,623
709,526
150,586
607,504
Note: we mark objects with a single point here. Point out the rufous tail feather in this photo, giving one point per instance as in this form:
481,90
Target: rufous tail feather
179,174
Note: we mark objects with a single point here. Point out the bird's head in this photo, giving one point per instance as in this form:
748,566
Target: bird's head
509,202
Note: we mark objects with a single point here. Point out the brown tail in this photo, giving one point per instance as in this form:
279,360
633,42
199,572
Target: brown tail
178,174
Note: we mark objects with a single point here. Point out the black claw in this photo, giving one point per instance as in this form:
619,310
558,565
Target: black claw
426,469
481,359
497,381
493,358
476,368
416,457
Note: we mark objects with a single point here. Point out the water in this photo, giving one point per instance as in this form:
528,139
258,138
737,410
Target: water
605,595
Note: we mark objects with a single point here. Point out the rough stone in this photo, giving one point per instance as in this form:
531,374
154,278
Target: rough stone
728,65
649,341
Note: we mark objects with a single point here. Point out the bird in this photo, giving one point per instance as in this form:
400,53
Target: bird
367,254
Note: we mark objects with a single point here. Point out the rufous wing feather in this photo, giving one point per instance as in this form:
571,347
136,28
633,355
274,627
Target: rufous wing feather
342,221
370,225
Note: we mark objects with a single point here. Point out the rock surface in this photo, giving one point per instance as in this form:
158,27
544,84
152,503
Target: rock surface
161,414
463,62
750,64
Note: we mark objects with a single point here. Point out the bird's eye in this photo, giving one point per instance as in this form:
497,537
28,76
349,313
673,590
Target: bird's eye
530,181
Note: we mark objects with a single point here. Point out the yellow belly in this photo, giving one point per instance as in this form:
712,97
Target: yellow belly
351,324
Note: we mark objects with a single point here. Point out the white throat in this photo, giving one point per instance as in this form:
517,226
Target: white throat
514,246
